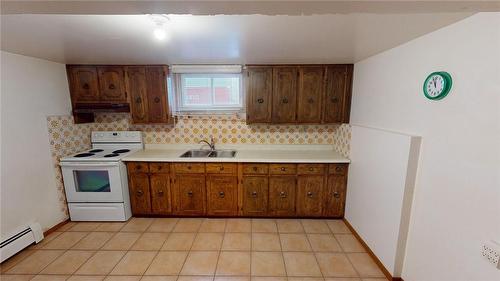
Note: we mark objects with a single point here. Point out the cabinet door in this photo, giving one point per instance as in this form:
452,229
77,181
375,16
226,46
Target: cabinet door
190,194
136,86
160,194
284,94
282,195
112,84
311,85
222,195
259,93
255,195
335,196
310,196
139,194
84,84
156,77
338,94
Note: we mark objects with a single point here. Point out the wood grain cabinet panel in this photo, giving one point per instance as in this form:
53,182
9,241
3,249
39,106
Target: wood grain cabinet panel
112,84
255,195
159,167
310,195
311,169
310,93
338,94
190,194
282,195
139,194
284,108
136,85
156,84
221,168
335,196
255,169
259,94
283,169
161,202
84,84
138,167
189,168
222,195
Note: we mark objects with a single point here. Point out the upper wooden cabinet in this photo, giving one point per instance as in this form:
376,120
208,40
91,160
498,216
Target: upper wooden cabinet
309,94
141,90
259,84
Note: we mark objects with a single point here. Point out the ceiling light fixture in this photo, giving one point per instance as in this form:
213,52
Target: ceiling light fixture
160,22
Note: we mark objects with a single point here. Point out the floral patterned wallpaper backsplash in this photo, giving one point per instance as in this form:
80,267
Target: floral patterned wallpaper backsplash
66,137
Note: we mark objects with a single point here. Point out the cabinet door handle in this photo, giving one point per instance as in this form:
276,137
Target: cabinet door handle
160,193
260,100
310,100
190,193
255,169
283,169
111,86
336,194
283,194
140,192
157,99
285,100
222,194
254,194
309,194
86,86
334,100
138,100
338,169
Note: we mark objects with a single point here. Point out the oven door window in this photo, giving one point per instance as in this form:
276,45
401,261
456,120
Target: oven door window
92,181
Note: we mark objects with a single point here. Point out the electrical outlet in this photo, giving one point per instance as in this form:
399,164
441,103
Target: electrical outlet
491,251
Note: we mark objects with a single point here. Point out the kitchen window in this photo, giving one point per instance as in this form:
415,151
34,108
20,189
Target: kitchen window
215,90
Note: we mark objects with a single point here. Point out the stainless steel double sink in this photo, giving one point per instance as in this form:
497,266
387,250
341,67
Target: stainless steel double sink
200,153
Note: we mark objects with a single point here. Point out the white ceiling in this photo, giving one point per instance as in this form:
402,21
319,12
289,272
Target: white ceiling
128,39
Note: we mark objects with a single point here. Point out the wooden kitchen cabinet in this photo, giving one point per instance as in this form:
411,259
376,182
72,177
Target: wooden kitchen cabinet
310,94
112,84
156,85
337,105
259,84
189,190
335,192
84,84
222,195
136,84
161,202
140,198
282,195
310,195
255,191
284,97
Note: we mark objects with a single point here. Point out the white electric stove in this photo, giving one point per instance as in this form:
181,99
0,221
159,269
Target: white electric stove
95,180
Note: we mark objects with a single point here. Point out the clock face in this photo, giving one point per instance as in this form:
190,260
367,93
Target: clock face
437,85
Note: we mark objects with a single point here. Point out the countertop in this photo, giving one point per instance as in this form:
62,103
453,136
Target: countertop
253,154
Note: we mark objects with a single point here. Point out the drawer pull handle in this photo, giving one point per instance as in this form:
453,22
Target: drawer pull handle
86,86
336,194
283,194
283,169
260,100
255,169
111,86
189,167
140,192
309,194
311,169
138,167
254,194
310,100
190,193
159,168
221,169
222,194
160,193
338,169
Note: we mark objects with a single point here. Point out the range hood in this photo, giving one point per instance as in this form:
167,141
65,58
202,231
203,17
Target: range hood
84,112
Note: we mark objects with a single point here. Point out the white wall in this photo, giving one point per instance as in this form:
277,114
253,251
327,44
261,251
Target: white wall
457,196
31,89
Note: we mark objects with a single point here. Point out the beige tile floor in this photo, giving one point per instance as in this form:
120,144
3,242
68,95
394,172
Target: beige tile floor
196,249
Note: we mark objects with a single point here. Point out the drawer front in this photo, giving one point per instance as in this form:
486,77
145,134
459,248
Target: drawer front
189,168
255,169
283,169
311,169
337,169
222,168
159,167
137,167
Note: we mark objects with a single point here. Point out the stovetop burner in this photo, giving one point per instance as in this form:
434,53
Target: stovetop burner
96,150
111,155
84,154
121,151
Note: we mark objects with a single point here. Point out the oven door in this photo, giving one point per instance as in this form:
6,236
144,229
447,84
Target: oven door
92,181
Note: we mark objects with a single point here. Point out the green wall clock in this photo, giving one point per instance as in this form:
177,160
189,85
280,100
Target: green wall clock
437,85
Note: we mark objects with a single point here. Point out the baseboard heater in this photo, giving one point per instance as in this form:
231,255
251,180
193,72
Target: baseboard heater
19,240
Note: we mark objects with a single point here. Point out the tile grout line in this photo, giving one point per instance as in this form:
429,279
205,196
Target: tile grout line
281,248
314,253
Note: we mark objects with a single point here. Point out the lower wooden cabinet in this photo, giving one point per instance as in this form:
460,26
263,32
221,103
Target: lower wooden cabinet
189,194
255,195
231,189
282,195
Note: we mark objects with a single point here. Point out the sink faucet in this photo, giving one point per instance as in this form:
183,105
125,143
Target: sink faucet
211,144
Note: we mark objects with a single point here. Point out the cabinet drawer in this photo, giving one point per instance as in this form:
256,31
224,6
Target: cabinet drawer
311,169
337,169
222,168
255,169
137,167
189,168
159,167
283,169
